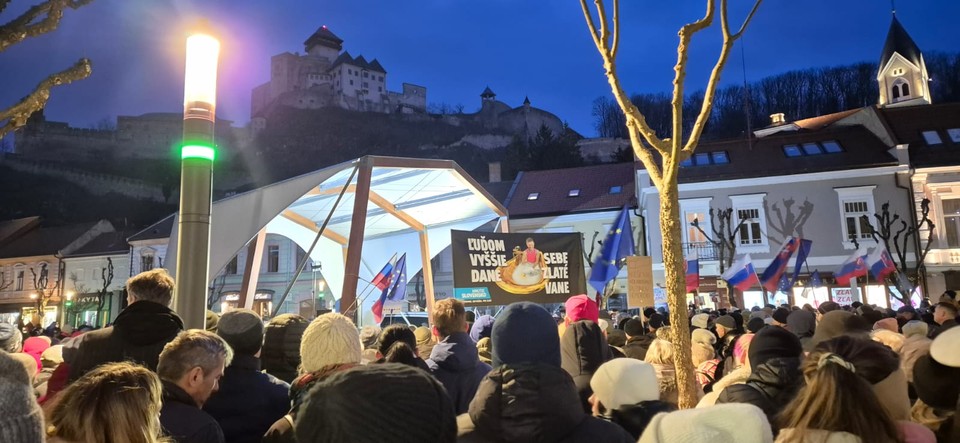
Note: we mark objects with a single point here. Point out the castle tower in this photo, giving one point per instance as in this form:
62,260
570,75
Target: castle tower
323,44
902,74
487,95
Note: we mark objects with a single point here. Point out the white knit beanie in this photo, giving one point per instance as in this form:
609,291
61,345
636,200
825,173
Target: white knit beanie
701,321
915,327
330,339
726,423
21,420
625,381
703,336
945,349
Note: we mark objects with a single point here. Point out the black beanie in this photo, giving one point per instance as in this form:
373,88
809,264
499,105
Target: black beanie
634,328
657,321
936,384
770,343
408,405
755,324
242,329
828,306
780,315
525,333
648,312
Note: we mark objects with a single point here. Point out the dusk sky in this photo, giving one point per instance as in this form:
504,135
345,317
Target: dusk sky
455,48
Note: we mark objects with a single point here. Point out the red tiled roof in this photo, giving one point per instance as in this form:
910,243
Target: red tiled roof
553,187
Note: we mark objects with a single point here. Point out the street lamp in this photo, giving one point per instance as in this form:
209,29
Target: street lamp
196,178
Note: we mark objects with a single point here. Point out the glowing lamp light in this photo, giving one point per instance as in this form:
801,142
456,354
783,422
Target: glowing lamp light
198,151
69,295
34,296
200,82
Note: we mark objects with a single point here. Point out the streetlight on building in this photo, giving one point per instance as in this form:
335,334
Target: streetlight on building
196,178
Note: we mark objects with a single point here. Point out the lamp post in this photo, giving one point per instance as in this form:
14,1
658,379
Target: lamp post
196,178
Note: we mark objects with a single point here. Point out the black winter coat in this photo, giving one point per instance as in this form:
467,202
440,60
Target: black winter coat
635,418
535,404
457,366
282,430
138,335
248,402
183,421
636,347
583,348
770,387
280,355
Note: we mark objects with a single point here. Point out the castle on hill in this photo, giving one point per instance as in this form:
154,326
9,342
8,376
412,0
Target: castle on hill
327,76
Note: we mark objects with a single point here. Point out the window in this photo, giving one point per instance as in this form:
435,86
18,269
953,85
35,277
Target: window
146,262
687,163
702,158
792,151
951,221
19,281
366,85
854,204
573,193
690,210
533,196
232,267
901,89
707,158
832,147
898,72
748,209
351,82
720,157
811,149
273,258
932,138
954,134
616,189
366,74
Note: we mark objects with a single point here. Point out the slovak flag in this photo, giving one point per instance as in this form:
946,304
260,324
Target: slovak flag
881,264
741,275
382,281
853,267
771,275
692,268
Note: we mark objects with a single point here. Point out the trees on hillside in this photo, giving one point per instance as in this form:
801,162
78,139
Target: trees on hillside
545,150
38,20
662,152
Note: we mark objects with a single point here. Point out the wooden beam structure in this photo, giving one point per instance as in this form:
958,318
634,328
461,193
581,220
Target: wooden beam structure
251,270
358,223
427,274
392,210
309,224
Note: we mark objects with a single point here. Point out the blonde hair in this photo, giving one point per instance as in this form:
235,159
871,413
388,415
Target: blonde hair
449,316
114,402
928,416
155,285
701,353
892,340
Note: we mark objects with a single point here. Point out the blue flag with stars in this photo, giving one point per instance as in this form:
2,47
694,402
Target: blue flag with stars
617,246
398,281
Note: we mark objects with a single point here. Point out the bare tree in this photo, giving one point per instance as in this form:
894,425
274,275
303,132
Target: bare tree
106,278
723,238
785,221
4,283
216,291
41,284
893,230
38,20
661,155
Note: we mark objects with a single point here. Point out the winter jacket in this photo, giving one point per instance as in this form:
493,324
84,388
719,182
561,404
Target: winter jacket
138,335
583,348
636,347
803,324
183,421
908,432
635,418
939,330
770,387
457,366
282,429
535,404
280,355
914,347
739,376
248,402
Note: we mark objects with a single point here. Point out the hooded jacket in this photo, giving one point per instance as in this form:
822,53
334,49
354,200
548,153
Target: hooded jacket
635,418
457,366
138,335
481,328
770,387
636,347
583,349
803,324
535,404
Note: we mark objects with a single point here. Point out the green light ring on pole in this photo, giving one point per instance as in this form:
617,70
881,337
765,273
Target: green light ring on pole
198,151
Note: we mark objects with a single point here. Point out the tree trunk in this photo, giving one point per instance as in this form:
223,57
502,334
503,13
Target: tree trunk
676,291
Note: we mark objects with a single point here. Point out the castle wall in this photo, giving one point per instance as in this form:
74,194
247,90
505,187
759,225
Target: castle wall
97,184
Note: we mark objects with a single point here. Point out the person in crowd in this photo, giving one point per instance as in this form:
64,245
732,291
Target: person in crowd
660,355
28,363
212,321
454,360
726,328
425,342
481,328
528,396
854,392
836,323
738,320
485,350
249,401
888,323
50,359
378,403
11,339
754,324
190,368
945,315
398,344
906,314
280,356
625,392
583,348
576,308
825,307
639,337
21,420
890,339
368,337
115,402
139,333
704,357
733,423
471,318
949,296
803,324
780,317
330,344
700,321
775,376
915,345
616,338
34,347
938,393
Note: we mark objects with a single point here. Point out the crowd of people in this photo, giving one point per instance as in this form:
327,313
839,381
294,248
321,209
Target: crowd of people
829,373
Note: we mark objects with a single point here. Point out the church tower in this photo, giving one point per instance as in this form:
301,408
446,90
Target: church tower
902,75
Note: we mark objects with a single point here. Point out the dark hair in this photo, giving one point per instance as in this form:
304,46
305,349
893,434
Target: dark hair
396,333
949,307
950,293
401,352
529,239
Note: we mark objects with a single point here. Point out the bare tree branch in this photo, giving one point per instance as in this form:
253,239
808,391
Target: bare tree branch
39,19
18,114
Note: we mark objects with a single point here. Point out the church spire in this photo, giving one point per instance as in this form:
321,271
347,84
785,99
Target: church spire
901,72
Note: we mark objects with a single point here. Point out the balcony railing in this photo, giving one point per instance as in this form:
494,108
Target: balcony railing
704,250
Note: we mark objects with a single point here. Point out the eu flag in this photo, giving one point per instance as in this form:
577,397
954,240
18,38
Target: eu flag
616,247
398,282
